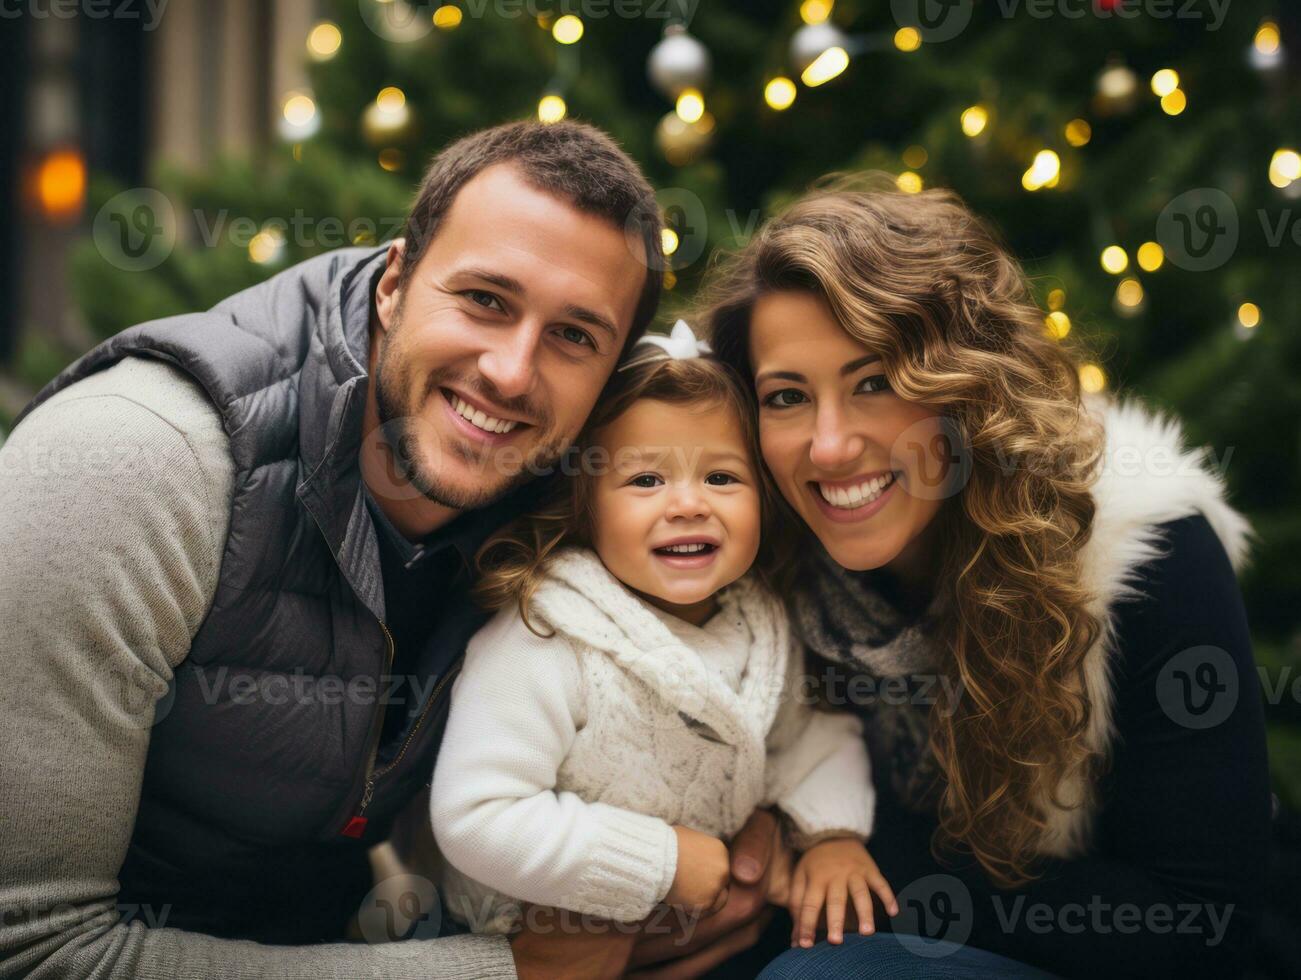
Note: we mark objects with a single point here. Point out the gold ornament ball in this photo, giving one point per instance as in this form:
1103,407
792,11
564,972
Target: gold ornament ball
683,142
385,125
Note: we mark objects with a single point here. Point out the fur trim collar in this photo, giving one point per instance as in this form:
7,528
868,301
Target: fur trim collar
1147,478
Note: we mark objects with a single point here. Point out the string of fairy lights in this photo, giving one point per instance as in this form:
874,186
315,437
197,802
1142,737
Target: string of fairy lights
679,67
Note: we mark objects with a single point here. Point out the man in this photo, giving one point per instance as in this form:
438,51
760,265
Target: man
223,534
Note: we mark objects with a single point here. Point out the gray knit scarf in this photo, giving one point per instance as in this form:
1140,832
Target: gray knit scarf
891,678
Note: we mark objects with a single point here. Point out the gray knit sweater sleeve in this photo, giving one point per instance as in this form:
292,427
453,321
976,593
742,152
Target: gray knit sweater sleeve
116,495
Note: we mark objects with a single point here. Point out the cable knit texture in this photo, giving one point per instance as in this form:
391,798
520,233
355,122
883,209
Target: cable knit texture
568,759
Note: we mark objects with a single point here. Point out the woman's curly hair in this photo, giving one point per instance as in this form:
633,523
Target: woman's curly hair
919,280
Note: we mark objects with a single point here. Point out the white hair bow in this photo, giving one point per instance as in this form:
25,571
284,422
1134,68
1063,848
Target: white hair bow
681,342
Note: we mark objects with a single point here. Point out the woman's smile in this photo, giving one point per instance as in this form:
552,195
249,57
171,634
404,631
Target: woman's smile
856,499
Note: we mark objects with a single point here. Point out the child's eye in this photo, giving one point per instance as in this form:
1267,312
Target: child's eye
645,480
874,382
784,398
721,479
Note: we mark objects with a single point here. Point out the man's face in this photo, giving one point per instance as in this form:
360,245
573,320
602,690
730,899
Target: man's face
492,355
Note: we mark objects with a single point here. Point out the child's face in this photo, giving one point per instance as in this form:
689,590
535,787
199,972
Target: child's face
678,475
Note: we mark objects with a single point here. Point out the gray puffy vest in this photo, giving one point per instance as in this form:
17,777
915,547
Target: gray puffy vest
257,808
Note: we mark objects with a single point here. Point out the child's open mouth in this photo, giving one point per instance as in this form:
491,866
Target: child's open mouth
692,553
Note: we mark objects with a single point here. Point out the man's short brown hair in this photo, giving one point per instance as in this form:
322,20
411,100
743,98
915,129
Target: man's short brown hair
575,161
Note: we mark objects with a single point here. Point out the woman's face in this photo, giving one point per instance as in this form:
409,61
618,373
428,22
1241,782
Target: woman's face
865,469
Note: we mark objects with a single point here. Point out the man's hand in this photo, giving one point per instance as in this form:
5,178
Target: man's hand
582,949
671,952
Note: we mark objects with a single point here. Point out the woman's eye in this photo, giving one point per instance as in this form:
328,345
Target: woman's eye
477,297
576,336
874,382
645,480
784,398
720,479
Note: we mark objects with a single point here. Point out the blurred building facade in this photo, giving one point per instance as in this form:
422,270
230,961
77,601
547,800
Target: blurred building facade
120,90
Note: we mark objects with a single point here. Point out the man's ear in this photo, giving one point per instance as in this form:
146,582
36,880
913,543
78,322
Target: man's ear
387,294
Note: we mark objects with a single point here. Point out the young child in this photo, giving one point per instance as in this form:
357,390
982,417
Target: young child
636,697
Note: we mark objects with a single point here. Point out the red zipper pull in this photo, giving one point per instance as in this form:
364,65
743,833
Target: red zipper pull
355,828
357,825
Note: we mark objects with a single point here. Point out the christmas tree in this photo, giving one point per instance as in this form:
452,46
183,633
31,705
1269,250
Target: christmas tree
1139,157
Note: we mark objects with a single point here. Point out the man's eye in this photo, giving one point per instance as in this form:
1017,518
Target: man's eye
645,480
784,398
874,382
577,336
720,479
479,296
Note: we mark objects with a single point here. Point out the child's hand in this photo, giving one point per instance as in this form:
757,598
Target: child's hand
704,872
825,873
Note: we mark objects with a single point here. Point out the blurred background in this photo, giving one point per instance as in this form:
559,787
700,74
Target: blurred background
1140,156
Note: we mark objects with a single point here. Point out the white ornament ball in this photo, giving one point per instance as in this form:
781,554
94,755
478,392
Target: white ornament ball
1266,60
678,62
812,39
1117,89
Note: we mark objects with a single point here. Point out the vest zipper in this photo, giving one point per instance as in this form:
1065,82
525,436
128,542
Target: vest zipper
357,825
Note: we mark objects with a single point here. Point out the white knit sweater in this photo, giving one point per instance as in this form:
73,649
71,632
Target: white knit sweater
567,759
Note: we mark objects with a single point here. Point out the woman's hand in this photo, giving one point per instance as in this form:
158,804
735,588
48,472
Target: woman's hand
828,873
704,870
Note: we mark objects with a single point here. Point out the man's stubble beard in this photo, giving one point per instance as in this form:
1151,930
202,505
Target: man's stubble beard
400,426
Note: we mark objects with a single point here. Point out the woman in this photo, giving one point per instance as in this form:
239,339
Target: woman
1029,595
